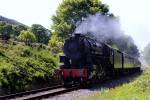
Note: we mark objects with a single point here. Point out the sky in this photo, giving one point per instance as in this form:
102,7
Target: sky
29,11
134,15
134,18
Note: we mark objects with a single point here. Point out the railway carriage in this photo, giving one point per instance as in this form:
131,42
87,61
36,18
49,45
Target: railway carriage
88,60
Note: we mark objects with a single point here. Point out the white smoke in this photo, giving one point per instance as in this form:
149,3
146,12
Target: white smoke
143,61
106,29
101,27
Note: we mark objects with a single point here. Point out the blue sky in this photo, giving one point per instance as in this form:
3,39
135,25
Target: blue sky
134,15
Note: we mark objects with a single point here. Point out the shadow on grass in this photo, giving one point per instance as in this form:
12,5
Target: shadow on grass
114,82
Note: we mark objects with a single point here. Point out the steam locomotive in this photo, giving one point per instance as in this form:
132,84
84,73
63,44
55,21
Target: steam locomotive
89,60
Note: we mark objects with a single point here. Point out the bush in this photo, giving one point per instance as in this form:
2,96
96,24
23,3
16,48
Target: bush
23,67
55,43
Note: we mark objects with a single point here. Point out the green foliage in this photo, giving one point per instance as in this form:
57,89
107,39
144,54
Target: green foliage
8,31
5,31
55,44
23,67
72,11
138,89
42,34
27,37
17,30
35,33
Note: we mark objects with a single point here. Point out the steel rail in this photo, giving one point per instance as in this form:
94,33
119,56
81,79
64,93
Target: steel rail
28,92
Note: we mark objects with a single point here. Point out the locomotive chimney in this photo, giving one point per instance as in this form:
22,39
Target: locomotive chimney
77,34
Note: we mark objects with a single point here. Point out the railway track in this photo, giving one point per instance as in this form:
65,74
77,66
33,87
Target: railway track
40,93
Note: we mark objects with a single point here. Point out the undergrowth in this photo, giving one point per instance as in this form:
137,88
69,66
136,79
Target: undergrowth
25,67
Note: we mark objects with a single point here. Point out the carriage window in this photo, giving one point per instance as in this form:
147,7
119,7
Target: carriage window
128,62
117,59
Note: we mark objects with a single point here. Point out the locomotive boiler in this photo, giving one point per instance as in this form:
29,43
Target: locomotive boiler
89,60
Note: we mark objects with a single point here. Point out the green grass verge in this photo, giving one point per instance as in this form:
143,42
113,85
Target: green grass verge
138,89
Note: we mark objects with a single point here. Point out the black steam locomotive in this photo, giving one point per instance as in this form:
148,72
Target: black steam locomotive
88,60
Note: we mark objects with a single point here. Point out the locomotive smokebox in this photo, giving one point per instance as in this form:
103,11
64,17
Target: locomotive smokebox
74,47
78,46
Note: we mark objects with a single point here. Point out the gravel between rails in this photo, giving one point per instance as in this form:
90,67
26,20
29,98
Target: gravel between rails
74,95
81,93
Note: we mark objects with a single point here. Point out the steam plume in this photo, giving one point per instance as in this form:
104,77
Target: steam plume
107,29
101,27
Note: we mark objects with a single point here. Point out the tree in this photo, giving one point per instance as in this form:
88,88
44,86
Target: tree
55,43
5,31
27,37
42,34
146,53
10,31
18,28
72,11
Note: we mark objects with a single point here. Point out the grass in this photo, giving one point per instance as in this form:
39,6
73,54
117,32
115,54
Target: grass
138,89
